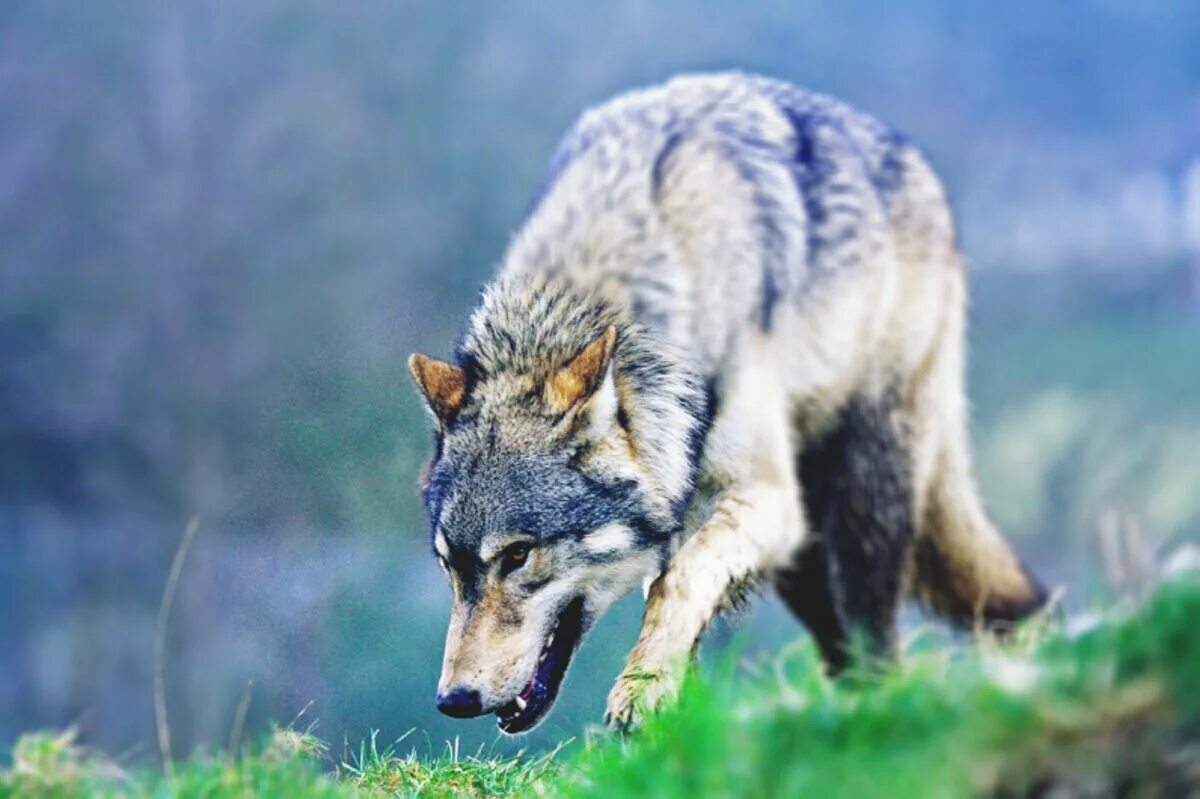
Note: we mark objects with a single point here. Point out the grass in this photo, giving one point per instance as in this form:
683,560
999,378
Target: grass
1113,710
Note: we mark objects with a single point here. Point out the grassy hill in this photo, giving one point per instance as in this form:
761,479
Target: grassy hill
1108,710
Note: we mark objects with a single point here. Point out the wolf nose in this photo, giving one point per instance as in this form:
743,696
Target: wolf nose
460,703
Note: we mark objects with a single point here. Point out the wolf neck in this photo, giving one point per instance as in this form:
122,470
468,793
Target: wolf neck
529,323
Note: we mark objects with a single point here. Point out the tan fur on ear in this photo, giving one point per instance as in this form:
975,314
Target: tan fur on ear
443,384
579,378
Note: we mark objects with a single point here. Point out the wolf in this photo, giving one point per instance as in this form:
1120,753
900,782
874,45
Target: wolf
724,350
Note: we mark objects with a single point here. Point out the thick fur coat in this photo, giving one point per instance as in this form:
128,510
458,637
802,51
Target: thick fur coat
725,348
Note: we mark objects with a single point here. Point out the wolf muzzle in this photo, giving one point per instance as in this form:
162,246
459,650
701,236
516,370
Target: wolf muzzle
460,703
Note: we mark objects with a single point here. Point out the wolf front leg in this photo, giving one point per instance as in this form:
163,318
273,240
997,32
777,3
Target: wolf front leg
751,530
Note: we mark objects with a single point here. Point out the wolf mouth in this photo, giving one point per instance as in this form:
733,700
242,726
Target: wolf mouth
535,700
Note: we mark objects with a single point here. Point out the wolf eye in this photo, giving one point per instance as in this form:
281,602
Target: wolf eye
514,556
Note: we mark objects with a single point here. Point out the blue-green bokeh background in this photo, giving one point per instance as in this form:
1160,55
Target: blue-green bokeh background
224,225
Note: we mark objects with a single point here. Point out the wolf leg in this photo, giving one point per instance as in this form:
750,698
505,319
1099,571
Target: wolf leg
805,587
754,527
858,499
750,530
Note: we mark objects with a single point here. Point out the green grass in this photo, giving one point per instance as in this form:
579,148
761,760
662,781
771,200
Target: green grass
1114,710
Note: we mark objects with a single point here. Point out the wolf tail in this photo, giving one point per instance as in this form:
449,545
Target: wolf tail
962,568
960,565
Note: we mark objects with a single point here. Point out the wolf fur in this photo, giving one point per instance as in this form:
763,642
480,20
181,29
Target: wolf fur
725,347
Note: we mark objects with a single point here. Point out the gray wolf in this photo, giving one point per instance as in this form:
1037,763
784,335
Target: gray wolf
724,350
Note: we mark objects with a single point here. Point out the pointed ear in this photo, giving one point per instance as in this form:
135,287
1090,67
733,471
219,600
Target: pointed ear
443,384
580,378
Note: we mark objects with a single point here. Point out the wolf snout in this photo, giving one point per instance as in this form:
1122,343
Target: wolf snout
460,703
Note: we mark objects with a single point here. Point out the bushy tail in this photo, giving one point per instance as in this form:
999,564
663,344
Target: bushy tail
962,568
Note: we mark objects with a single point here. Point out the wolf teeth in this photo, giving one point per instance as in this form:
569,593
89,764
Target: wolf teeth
521,703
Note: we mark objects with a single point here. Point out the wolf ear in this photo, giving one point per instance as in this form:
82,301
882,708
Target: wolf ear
443,384
580,378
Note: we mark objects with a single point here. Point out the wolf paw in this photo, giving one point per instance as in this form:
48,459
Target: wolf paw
636,695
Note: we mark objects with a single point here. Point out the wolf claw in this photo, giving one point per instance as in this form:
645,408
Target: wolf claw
637,695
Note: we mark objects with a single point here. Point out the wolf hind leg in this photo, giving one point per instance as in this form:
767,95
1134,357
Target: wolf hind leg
846,584
805,588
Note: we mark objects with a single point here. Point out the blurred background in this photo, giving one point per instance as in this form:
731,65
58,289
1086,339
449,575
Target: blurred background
224,225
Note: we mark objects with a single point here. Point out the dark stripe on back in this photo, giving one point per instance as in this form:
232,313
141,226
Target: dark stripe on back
658,170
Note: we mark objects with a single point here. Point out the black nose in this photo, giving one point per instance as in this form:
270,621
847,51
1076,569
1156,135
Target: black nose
460,703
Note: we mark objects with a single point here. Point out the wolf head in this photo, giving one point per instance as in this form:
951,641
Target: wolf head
538,519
